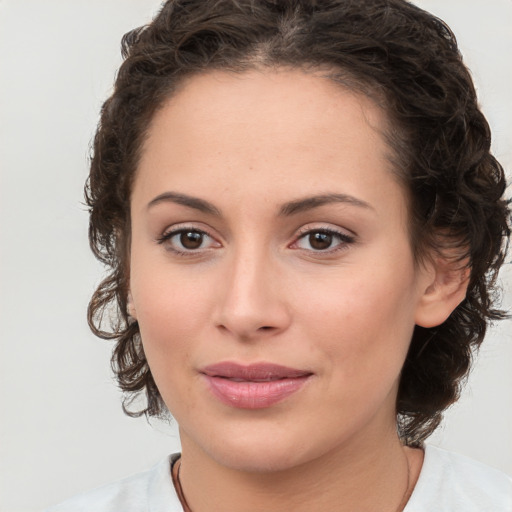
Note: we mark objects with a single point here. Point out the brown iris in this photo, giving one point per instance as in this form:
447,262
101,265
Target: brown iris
191,239
320,241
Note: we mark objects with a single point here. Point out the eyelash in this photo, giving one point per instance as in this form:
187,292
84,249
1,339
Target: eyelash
167,236
344,239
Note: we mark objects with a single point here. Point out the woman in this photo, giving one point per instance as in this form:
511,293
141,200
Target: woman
304,226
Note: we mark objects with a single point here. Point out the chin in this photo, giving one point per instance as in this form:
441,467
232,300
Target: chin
259,459
260,450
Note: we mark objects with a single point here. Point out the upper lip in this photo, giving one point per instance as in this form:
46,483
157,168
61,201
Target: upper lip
253,372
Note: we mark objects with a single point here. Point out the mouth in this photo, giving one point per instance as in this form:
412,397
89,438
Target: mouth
255,386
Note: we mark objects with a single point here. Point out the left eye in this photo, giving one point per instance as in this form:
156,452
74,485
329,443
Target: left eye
322,240
187,240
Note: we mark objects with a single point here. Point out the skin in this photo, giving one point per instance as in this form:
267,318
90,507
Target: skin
256,290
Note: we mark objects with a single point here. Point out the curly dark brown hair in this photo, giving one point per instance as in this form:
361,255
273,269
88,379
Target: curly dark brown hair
402,57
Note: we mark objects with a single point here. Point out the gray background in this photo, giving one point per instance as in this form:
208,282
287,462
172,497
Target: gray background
61,426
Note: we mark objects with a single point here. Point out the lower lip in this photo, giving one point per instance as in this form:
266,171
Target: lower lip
254,395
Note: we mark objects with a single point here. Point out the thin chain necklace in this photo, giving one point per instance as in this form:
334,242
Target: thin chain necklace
177,485
181,496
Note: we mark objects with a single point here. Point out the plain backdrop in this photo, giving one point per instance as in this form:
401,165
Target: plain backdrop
61,425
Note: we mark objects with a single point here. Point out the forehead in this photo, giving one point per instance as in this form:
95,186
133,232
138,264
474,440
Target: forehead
285,101
267,134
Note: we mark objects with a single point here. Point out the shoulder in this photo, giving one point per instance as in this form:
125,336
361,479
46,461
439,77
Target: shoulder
455,483
151,490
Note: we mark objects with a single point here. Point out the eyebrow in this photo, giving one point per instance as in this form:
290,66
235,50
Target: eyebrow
308,203
186,200
288,209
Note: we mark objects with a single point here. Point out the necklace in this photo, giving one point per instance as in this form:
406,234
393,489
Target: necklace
177,485
181,496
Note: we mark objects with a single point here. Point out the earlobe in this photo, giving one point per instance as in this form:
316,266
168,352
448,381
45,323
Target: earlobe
443,293
130,306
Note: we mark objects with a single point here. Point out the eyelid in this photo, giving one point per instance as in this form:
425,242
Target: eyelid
327,228
176,229
345,236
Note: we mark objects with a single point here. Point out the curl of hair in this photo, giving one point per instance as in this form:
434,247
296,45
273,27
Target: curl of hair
409,63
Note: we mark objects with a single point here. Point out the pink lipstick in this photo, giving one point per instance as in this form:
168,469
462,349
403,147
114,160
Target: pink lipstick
255,386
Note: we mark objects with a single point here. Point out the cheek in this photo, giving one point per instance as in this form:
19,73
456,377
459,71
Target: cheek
169,307
168,313
362,321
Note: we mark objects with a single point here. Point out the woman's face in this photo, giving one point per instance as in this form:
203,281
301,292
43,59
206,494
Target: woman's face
268,229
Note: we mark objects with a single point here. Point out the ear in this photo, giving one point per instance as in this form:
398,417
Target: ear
444,288
130,306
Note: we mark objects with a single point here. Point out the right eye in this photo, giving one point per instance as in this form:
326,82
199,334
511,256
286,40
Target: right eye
187,240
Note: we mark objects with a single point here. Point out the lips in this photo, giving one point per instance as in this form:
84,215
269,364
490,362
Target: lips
255,386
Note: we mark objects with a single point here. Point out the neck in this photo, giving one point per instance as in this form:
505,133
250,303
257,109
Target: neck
362,477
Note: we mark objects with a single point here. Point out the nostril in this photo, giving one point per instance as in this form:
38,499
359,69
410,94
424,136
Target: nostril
265,328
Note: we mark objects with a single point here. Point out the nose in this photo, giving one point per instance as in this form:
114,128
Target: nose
252,300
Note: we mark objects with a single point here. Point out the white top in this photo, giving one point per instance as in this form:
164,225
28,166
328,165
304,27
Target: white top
448,483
